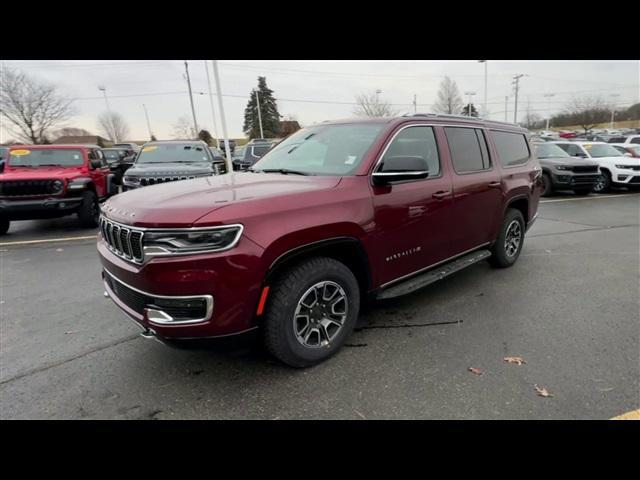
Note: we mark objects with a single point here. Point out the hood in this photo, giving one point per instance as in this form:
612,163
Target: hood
41,173
569,161
180,204
159,169
617,160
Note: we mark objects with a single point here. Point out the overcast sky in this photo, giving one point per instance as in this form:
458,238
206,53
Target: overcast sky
314,91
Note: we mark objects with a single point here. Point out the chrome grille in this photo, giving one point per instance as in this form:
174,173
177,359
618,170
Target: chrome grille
144,181
123,241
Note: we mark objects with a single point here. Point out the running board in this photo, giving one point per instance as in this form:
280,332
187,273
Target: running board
438,273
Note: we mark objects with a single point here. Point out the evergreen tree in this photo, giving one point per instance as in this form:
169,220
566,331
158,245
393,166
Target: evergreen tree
474,112
268,112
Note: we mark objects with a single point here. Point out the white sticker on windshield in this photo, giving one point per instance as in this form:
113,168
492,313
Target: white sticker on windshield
350,159
76,157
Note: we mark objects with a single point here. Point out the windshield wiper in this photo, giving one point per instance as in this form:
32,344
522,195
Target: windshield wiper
284,171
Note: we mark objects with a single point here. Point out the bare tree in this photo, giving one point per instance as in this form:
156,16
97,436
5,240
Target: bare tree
449,100
588,111
31,107
113,126
370,105
183,129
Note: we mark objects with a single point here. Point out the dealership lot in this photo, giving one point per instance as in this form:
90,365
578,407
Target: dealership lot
569,308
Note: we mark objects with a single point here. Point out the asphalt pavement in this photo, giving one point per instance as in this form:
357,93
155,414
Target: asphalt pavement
569,308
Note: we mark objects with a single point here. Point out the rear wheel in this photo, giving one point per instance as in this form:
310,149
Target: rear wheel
4,225
89,212
507,247
547,187
604,183
312,310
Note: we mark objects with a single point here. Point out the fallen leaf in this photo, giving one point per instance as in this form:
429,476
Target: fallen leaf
477,371
59,249
542,392
517,360
70,332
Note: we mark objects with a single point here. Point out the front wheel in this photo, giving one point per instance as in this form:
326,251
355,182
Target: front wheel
603,184
311,311
547,187
89,212
507,248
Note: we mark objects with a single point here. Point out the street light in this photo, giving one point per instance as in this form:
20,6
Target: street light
103,89
613,108
484,107
378,92
469,94
259,115
548,95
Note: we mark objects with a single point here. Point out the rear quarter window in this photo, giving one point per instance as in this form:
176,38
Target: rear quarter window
512,148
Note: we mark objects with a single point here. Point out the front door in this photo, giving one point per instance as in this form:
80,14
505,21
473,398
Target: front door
412,217
99,175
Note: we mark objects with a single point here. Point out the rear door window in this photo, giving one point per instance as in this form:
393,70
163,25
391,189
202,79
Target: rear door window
512,148
468,149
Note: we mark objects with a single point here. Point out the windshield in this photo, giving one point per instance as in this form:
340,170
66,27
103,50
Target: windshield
597,150
322,150
41,157
173,153
549,150
114,154
260,150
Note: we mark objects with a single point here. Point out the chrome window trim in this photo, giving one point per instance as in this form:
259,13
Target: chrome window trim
207,298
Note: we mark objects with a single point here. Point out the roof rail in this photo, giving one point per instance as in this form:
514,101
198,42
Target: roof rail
451,115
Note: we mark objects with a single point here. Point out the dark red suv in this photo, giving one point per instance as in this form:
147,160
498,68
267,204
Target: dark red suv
337,213
49,181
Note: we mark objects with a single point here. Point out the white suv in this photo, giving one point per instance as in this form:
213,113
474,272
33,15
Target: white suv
616,169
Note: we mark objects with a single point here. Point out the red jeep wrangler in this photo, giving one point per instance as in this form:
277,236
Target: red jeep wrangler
336,213
49,181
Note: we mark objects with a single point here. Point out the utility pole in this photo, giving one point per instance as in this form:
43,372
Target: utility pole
259,114
227,149
378,92
506,104
613,109
213,114
415,104
147,117
193,110
484,107
516,83
103,89
548,95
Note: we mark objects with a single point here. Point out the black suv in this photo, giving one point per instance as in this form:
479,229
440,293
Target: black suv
169,161
251,154
560,171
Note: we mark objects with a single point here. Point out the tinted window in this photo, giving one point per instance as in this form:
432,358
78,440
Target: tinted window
549,150
635,140
173,152
466,153
512,148
415,142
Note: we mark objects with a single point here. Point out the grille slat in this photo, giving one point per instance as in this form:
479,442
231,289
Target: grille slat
144,181
28,188
585,169
123,241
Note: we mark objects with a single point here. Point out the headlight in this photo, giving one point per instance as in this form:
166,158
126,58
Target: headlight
213,239
78,183
563,167
625,167
131,180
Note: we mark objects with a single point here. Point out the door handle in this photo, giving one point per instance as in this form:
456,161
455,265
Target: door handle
495,184
439,195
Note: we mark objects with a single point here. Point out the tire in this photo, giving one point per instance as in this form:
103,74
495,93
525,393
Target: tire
582,191
547,186
89,211
4,225
604,183
295,286
502,257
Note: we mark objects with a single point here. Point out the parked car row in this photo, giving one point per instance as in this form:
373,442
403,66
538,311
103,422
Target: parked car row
51,181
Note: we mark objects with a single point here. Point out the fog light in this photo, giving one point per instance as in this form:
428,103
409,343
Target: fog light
622,177
62,205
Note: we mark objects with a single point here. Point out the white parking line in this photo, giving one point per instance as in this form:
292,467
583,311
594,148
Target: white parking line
589,198
31,242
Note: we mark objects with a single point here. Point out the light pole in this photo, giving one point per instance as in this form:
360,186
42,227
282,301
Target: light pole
259,114
193,110
469,95
213,115
516,83
548,95
103,89
378,92
227,149
146,114
613,108
484,107
506,105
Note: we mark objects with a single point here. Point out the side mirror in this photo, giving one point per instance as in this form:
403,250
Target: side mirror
627,154
401,168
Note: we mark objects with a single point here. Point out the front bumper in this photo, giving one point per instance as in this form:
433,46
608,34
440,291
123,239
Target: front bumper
26,209
625,177
228,283
574,180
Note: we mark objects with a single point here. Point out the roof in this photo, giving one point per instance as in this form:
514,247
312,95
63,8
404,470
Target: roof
92,139
53,146
175,142
438,117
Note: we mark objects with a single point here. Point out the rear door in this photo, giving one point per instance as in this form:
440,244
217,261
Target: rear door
477,189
